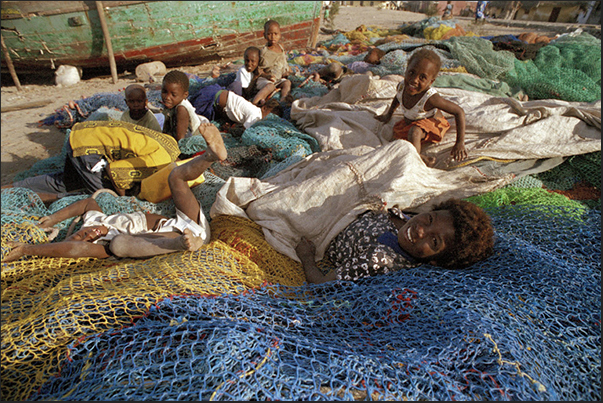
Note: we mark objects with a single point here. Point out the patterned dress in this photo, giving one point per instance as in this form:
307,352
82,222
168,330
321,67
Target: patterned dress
357,251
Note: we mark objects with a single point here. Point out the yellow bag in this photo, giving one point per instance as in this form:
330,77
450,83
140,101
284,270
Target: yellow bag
155,188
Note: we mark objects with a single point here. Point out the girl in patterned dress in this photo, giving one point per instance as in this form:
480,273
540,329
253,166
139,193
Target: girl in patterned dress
454,234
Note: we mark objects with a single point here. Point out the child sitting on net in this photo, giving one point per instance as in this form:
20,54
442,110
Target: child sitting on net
423,122
138,113
244,83
181,120
274,66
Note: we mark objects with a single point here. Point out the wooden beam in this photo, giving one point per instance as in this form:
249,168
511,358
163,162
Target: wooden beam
9,64
103,21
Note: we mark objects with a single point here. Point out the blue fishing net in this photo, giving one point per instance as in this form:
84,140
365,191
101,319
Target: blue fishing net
522,325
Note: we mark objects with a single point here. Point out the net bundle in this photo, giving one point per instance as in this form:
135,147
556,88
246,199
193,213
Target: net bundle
522,325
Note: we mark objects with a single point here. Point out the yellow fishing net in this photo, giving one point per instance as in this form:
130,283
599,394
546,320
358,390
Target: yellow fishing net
48,303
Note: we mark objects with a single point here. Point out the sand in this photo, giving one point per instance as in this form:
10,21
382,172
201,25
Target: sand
25,142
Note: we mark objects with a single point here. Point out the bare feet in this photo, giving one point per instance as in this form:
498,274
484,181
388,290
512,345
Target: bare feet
429,161
17,251
189,241
214,140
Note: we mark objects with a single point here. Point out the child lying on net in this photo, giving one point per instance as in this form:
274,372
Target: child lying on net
214,100
138,234
454,234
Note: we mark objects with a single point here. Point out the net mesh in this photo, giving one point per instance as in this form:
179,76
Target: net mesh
235,320
214,325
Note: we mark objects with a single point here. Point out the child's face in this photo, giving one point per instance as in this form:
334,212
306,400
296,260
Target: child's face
88,234
419,76
272,34
252,60
137,103
172,94
428,234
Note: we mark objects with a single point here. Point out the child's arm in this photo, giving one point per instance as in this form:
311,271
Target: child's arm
183,122
306,252
66,249
73,210
458,151
388,115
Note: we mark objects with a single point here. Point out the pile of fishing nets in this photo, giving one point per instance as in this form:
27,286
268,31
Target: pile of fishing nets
236,320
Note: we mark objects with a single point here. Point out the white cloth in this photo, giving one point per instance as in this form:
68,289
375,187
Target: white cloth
496,127
136,223
240,110
244,77
417,112
320,195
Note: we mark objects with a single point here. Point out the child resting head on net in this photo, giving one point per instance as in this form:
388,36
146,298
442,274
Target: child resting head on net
455,234
423,122
139,234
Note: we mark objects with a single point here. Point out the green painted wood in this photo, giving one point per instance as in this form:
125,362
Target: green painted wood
142,25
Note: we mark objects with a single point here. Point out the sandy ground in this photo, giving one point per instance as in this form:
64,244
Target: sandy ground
24,142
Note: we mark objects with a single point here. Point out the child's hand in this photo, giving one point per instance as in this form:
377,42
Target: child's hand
384,118
305,250
459,153
46,222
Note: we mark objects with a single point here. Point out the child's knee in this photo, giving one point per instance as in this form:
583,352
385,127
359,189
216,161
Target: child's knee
415,134
119,245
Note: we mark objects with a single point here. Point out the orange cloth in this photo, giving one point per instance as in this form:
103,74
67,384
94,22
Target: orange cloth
434,128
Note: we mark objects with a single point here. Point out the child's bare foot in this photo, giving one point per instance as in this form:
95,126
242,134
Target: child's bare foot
189,241
215,144
16,252
429,161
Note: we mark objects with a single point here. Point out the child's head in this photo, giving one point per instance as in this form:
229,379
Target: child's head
174,88
251,58
331,71
422,69
455,234
272,32
136,100
272,106
374,56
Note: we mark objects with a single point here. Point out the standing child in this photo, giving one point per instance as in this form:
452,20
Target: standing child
137,113
421,104
181,120
274,66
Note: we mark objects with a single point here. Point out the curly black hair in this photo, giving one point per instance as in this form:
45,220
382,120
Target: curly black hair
473,233
177,77
275,107
428,54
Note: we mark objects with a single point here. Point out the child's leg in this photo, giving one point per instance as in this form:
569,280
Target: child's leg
65,249
415,136
183,196
263,94
214,141
148,245
285,87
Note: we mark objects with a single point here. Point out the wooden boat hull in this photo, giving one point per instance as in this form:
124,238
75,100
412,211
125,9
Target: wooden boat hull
41,35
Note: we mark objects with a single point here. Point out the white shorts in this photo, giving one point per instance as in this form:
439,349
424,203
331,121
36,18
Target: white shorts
136,224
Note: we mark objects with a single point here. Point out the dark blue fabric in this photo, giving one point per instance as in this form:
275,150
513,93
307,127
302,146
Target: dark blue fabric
390,239
204,101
